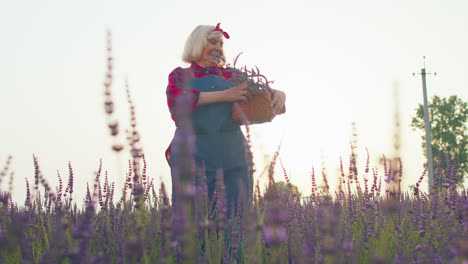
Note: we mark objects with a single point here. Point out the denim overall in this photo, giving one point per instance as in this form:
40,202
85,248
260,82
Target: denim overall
219,142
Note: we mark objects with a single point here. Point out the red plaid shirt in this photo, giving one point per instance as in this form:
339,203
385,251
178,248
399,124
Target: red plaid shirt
176,84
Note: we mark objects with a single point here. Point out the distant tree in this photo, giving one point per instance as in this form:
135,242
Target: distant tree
449,120
282,191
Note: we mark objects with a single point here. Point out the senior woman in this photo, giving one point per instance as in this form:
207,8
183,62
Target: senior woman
200,99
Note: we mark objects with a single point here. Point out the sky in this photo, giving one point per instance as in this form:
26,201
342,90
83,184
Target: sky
339,63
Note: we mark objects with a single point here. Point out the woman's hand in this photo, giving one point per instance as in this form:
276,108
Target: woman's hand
238,93
279,99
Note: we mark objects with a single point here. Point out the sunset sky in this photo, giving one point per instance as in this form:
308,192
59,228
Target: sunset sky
339,62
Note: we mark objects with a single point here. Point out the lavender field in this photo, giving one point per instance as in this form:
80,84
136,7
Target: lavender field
368,219
372,223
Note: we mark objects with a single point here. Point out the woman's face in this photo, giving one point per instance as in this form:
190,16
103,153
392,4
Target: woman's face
212,53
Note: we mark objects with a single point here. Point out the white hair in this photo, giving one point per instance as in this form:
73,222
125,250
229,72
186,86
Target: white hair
197,41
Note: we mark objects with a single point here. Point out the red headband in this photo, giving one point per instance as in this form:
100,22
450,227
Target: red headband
217,28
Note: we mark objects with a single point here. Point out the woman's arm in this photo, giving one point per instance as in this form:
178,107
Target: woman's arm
175,90
234,94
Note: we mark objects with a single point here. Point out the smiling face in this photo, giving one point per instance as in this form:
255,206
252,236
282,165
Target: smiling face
212,53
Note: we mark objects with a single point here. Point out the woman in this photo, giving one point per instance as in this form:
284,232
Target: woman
200,100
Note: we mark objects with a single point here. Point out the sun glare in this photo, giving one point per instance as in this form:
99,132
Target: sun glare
314,132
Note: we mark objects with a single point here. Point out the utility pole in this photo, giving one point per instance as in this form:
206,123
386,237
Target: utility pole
430,167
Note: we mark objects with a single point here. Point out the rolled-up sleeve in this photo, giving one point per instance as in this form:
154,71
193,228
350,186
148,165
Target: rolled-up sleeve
176,87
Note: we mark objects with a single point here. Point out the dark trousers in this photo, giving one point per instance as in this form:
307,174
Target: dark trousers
235,179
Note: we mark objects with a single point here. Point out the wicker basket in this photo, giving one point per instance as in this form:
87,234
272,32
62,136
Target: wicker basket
256,111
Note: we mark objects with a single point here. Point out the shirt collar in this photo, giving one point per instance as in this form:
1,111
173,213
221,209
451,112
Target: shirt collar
197,69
